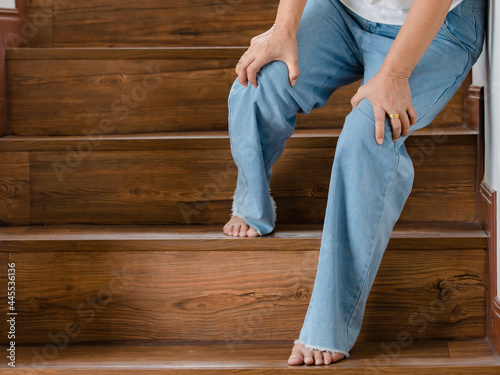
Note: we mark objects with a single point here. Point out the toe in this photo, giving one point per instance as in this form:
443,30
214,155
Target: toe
327,358
296,359
243,231
308,357
236,230
228,229
318,358
337,357
252,232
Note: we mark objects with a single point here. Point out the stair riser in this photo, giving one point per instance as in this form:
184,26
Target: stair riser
150,23
196,187
235,295
72,97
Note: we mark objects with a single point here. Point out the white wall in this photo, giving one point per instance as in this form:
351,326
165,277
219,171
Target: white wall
486,73
7,3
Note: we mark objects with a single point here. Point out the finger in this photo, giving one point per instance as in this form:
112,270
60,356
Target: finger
253,69
396,128
413,114
240,61
405,124
379,124
242,71
356,99
293,71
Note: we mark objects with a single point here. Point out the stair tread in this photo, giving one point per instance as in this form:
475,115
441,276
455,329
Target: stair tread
421,357
302,138
298,237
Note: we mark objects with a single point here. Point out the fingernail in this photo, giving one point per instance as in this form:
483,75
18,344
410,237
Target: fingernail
294,82
380,141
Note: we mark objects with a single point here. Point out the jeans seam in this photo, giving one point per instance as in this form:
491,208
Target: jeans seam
372,247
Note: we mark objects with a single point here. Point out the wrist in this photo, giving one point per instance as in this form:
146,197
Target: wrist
284,29
399,72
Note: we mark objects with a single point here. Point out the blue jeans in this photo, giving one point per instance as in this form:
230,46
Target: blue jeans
369,182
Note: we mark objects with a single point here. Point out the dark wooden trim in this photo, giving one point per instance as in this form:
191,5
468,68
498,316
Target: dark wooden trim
11,25
11,22
21,6
466,87
4,125
488,220
494,324
474,120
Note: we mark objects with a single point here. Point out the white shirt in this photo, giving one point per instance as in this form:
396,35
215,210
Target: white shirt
392,12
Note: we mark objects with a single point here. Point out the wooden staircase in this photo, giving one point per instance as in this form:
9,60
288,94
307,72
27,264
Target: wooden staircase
116,180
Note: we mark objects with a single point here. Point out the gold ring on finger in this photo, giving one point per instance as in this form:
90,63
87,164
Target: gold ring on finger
393,116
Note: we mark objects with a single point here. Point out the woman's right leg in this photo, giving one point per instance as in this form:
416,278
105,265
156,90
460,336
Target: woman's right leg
261,119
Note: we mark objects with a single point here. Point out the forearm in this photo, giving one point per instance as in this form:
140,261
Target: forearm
418,31
289,15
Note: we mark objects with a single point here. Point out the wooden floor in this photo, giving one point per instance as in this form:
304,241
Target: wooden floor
471,357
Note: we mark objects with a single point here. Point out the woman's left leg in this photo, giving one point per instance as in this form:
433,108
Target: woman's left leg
370,183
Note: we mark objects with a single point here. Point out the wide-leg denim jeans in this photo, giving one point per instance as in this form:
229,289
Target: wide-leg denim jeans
369,182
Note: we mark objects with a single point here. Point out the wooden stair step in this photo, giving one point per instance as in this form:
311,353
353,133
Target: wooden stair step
420,358
73,91
189,178
168,283
293,237
150,23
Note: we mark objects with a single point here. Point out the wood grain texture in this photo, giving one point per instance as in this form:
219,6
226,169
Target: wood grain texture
4,122
487,212
420,358
293,237
127,53
39,24
113,23
233,296
83,185
494,323
11,25
14,189
141,95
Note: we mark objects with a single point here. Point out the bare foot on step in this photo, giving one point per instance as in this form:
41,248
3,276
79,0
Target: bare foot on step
301,355
237,227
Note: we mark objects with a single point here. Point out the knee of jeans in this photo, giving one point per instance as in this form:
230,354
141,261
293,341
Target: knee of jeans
358,139
272,77
271,99
359,126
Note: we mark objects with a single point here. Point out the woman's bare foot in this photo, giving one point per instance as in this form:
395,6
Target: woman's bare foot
237,227
301,355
